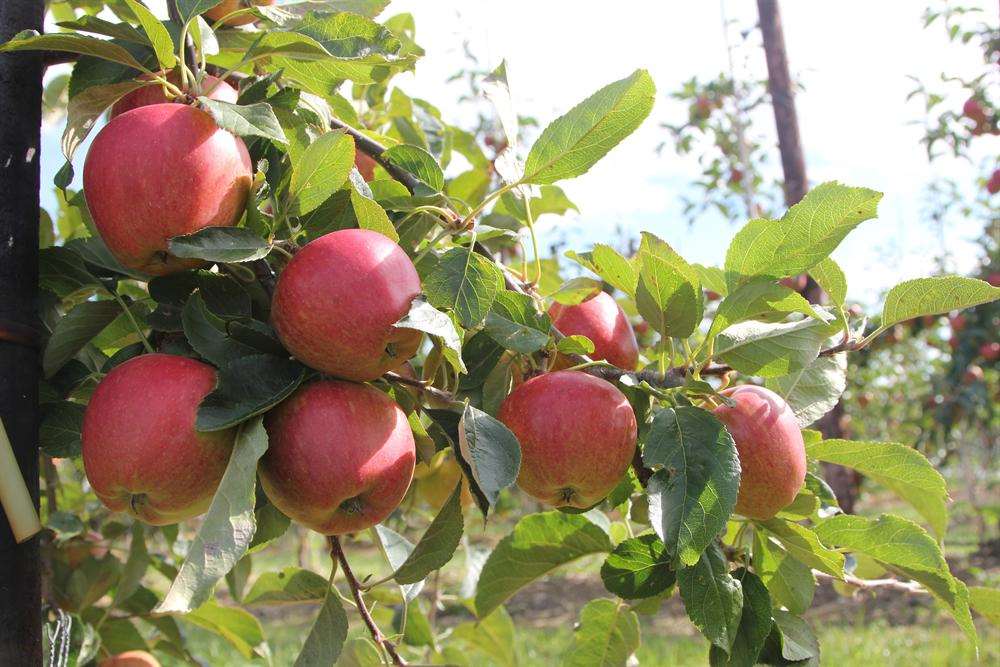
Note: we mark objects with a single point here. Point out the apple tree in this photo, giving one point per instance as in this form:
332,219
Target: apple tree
289,292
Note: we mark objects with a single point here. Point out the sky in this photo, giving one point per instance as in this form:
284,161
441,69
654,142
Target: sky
853,57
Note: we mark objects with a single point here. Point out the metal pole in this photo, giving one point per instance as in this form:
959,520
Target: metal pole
20,123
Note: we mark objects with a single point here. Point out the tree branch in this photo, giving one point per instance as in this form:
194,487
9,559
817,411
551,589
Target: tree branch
872,584
337,553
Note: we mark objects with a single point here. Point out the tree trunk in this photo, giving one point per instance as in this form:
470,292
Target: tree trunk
793,164
20,122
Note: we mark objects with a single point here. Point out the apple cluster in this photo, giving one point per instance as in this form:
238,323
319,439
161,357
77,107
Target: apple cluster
341,454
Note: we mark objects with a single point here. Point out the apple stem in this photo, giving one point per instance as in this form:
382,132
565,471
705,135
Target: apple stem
337,553
14,497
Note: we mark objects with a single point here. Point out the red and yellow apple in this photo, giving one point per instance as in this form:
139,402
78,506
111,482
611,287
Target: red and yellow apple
161,171
772,453
340,458
365,165
337,300
603,321
130,659
141,451
577,435
212,87
433,482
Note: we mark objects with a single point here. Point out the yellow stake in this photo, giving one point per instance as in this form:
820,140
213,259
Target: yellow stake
14,496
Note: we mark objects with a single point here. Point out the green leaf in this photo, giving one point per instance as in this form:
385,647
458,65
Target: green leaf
227,529
638,568
30,40
438,544
251,120
418,162
755,624
271,524
206,333
576,290
220,244
492,638
236,626
829,276
59,432
84,110
932,296
515,324
668,294
320,171
712,278
813,391
712,598
98,26
798,641
573,143
424,317
802,544
903,547
790,582
692,497
614,269
371,216
538,544
246,387
62,272
292,585
771,350
188,10
804,236
758,297
575,344
159,38
987,602
326,637
397,549
465,282
607,635
75,330
902,469
135,566
489,454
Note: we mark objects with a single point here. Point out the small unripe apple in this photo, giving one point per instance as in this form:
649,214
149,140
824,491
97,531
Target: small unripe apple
772,453
212,87
229,6
993,185
336,301
990,351
577,435
141,451
161,171
603,321
365,165
130,659
340,458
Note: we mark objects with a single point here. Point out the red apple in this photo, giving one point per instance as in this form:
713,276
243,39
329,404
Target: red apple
211,87
957,322
974,111
797,283
990,351
735,177
229,6
712,296
702,108
366,165
973,374
603,321
130,659
141,451
769,443
161,171
994,279
336,301
993,185
577,435
340,458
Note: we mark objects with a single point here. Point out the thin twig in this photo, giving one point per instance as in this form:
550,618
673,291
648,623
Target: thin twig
337,552
872,584
421,386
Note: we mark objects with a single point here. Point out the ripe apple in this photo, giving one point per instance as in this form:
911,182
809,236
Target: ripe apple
973,374
797,283
735,177
974,111
990,351
336,301
130,659
603,321
577,435
769,443
141,451
365,165
229,6
957,322
993,185
702,108
211,87
160,171
340,458
994,279
712,296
